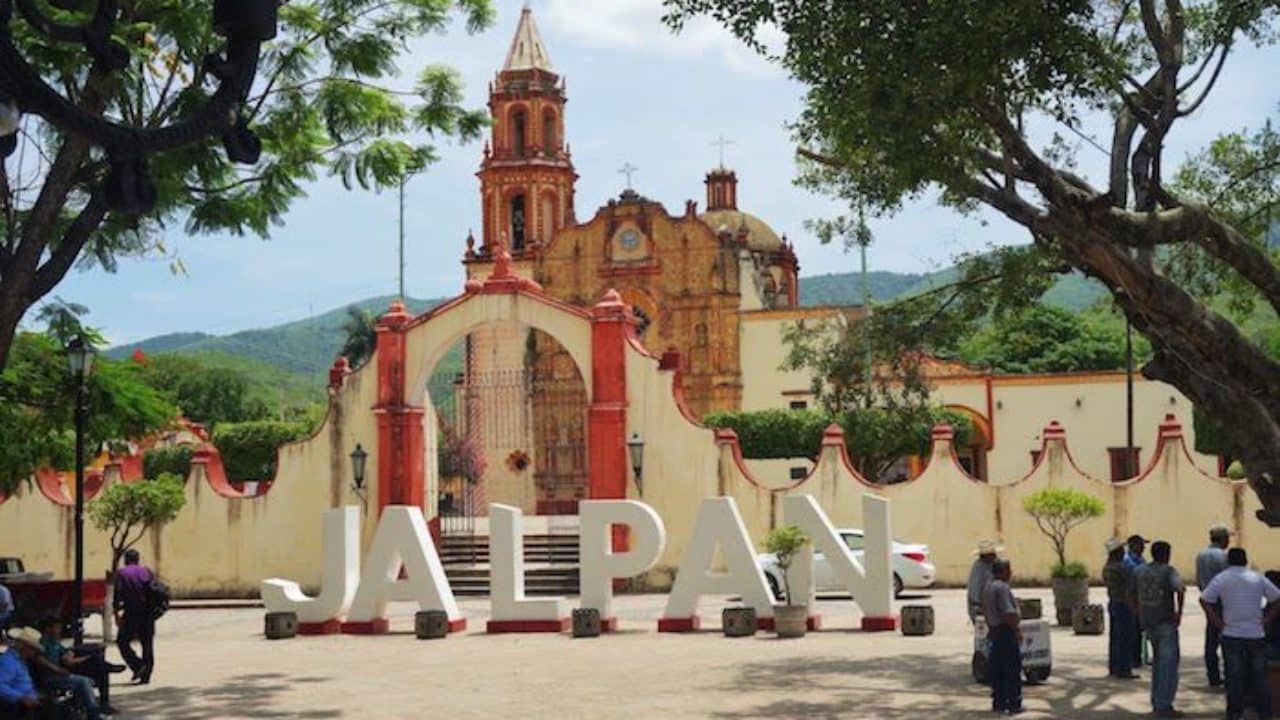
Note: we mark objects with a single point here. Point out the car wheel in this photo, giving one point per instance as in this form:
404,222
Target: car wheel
897,585
773,587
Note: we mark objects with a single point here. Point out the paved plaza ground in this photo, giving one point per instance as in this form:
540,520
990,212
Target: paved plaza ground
216,664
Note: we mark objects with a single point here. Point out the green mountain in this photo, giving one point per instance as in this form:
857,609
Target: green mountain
1072,291
303,346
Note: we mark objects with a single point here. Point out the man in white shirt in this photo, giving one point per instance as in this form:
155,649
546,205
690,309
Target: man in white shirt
1242,594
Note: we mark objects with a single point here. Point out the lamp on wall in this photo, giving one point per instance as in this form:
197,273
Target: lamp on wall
358,459
635,448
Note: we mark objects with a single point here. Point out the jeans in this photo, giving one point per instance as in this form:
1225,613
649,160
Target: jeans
1005,669
1124,628
140,627
1246,662
1212,639
1164,673
81,689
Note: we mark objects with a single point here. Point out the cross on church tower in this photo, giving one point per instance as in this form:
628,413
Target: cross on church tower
628,169
722,143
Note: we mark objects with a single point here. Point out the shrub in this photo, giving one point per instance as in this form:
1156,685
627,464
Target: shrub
248,449
1057,511
1070,571
175,460
768,434
784,542
460,455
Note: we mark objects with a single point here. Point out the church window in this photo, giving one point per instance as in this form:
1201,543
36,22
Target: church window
549,133
517,224
519,125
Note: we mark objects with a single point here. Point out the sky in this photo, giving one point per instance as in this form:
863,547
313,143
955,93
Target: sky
638,94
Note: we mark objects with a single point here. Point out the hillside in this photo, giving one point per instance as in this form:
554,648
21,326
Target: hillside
304,346
1071,292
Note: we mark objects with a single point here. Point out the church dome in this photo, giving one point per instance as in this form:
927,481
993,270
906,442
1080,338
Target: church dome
760,237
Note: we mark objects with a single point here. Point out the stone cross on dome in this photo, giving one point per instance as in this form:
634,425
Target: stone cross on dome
722,143
628,169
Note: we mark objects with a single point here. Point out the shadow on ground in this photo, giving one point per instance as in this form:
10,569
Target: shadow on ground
249,697
915,686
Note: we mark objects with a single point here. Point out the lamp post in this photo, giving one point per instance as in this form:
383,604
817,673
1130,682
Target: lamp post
635,448
80,362
127,186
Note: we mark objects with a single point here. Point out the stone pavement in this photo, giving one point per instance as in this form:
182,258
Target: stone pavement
216,664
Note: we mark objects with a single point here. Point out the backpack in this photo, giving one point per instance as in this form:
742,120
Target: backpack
157,599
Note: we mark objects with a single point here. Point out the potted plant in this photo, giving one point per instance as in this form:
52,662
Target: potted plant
1057,511
789,620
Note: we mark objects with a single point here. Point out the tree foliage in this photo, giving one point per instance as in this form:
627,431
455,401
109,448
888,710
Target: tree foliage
205,394
785,542
1058,511
460,454
128,510
1041,338
326,100
361,332
174,460
37,408
248,449
1003,105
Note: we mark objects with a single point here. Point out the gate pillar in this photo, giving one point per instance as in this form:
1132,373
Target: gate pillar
607,467
400,439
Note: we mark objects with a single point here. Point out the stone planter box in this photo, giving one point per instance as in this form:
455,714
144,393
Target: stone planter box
1031,608
586,623
917,619
280,625
790,621
1088,620
431,624
1067,594
738,621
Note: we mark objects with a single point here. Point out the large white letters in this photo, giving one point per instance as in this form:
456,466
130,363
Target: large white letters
402,539
510,610
718,525
341,547
869,582
600,565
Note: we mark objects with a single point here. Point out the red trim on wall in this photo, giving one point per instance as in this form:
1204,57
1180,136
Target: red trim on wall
401,445
528,626
814,623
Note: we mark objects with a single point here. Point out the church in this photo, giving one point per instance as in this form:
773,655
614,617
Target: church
713,289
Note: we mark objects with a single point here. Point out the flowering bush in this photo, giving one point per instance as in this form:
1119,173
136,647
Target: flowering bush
460,454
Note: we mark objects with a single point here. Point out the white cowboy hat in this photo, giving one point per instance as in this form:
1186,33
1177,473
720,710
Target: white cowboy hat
28,636
988,547
1114,544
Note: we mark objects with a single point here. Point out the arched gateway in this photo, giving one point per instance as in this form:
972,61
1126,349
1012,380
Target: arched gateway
409,348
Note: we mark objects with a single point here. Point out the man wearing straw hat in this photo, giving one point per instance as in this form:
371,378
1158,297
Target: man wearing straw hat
980,574
1209,562
17,691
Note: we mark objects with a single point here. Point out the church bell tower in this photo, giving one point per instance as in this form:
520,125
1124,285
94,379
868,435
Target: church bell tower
526,176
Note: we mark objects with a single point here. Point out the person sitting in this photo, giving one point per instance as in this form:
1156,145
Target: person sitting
51,677
89,662
18,698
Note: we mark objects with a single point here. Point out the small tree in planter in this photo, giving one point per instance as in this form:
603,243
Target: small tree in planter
1058,511
789,620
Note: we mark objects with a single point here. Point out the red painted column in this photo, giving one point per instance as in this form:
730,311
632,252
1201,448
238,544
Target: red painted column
401,478
608,467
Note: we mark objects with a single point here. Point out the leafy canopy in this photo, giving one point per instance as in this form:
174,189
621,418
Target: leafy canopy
1058,511
128,510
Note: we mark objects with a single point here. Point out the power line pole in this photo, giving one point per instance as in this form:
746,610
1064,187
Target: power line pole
864,239
402,182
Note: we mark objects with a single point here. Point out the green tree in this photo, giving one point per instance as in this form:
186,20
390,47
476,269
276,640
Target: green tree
1041,338
37,404
326,100
907,97
249,449
205,394
361,332
1058,511
128,510
785,542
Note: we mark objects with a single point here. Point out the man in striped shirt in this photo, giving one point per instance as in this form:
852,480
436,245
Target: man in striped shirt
1242,594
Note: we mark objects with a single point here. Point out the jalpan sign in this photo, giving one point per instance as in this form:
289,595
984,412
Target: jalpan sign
402,565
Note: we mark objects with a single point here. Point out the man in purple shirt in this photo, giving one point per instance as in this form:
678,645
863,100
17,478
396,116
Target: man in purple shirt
133,614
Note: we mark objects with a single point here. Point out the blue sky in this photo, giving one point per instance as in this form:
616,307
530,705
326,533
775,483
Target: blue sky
637,94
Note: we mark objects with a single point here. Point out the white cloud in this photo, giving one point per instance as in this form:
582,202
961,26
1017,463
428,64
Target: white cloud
637,24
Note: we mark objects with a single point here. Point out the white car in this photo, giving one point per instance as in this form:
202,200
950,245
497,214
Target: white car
910,564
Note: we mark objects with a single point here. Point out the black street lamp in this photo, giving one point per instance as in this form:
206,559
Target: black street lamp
358,459
127,184
635,448
80,362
